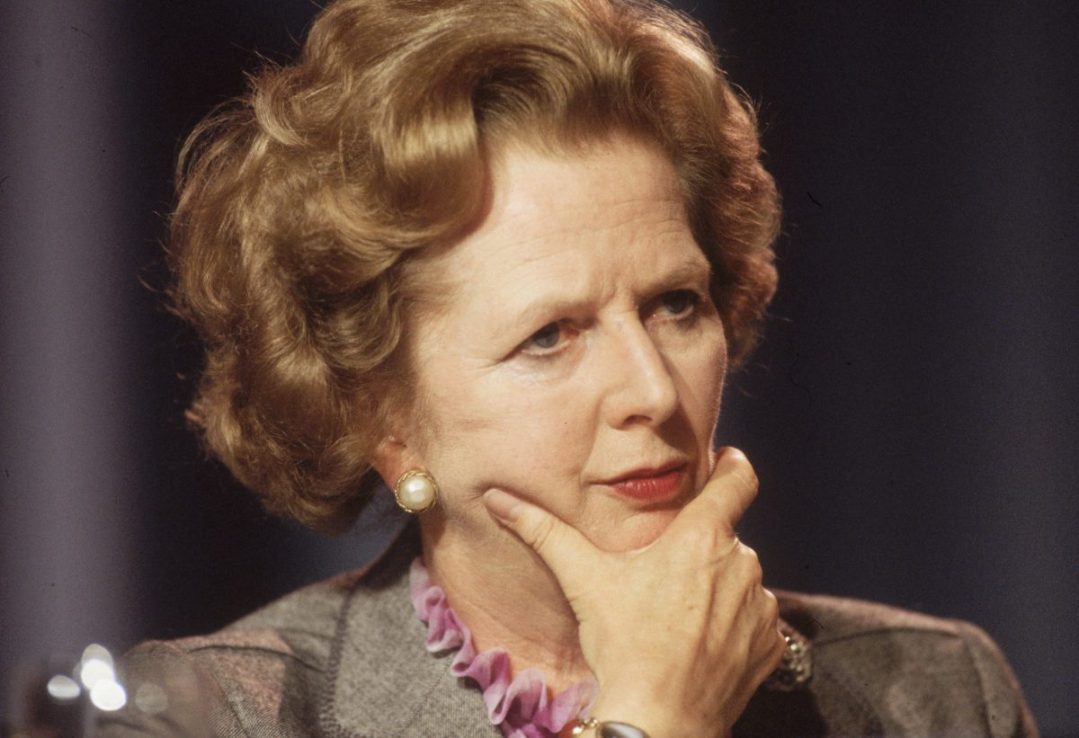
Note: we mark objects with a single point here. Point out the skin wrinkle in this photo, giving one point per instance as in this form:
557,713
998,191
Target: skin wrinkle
594,238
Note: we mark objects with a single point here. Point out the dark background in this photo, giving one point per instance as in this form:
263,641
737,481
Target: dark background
912,415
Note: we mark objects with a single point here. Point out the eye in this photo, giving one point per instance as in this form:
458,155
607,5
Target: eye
544,341
679,304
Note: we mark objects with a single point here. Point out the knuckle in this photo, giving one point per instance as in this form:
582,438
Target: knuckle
749,556
756,577
751,564
771,608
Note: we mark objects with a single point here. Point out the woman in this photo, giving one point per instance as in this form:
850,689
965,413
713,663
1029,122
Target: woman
500,257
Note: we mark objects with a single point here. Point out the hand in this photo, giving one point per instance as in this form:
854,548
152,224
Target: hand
679,634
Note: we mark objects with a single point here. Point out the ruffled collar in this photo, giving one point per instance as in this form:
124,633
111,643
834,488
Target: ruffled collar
519,704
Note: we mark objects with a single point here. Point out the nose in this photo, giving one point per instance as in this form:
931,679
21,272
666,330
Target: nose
640,388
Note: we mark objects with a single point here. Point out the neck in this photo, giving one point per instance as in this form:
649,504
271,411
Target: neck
508,598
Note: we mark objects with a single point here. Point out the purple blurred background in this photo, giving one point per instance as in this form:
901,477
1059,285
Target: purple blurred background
913,415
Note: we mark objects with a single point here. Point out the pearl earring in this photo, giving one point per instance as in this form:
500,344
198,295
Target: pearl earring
416,491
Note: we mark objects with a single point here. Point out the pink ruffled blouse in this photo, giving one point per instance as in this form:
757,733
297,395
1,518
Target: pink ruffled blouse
519,704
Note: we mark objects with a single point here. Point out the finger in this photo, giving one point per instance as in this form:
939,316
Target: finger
563,548
726,496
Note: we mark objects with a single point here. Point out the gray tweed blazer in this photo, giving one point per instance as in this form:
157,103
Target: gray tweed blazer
346,657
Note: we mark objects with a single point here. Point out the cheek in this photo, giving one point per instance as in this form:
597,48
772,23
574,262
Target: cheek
703,376
703,379
544,438
489,434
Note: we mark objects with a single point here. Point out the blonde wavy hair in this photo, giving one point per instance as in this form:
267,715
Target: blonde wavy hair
302,204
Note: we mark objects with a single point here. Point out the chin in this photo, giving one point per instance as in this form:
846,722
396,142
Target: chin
636,531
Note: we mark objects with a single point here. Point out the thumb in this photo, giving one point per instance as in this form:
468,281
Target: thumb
562,547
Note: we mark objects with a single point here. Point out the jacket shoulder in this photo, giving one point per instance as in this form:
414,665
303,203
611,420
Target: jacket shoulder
923,675
299,626
825,618
258,676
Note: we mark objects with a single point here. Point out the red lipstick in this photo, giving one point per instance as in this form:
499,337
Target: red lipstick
650,485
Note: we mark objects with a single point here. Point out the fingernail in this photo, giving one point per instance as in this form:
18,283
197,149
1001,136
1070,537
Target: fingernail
502,505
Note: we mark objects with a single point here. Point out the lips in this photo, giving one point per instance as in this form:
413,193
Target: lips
650,484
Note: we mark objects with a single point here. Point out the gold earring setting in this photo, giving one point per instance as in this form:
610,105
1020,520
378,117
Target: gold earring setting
416,491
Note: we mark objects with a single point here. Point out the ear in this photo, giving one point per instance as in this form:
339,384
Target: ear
393,457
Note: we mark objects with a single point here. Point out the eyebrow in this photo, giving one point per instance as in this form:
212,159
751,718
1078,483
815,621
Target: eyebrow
690,272
695,272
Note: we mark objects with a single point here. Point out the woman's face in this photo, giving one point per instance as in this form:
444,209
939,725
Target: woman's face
577,360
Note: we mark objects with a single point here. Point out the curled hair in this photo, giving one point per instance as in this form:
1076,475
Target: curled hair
301,204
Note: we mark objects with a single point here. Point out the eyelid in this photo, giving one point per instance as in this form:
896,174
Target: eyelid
698,301
526,349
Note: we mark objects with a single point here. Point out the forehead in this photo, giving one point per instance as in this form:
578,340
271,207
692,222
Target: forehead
580,186
555,213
